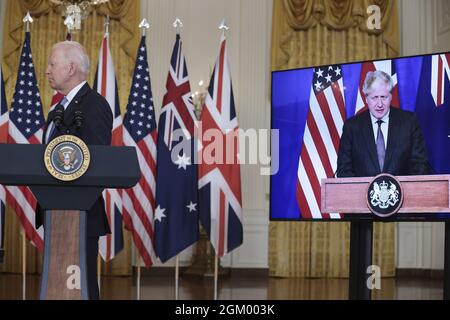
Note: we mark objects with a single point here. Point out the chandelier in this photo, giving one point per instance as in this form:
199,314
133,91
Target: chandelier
76,10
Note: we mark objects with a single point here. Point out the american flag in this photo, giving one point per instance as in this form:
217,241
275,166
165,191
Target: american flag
176,216
318,156
140,131
105,83
220,183
387,66
26,123
440,71
3,139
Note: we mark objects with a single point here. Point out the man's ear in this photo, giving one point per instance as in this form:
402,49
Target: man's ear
72,68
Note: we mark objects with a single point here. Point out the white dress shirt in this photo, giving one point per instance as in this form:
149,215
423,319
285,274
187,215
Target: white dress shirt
69,99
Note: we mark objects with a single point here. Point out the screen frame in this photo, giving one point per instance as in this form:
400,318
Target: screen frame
398,217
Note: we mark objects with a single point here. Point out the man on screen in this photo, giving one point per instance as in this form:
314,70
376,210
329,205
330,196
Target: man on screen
382,139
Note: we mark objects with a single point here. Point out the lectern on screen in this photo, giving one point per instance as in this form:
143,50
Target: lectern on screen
309,107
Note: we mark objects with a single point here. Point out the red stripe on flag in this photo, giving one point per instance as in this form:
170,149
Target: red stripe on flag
440,82
34,140
221,248
220,76
138,241
339,99
30,232
311,173
326,215
319,144
4,133
141,214
323,103
117,136
108,236
305,211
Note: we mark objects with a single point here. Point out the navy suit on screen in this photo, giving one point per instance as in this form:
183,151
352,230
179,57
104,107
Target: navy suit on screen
405,151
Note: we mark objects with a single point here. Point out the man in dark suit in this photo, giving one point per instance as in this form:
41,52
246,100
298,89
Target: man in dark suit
67,71
382,139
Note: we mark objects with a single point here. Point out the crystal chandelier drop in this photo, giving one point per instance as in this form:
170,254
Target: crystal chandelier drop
76,10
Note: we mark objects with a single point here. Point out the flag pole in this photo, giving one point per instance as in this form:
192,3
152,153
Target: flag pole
177,24
144,25
223,26
177,276
99,272
216,274
24,265
27,20
107,23
138,280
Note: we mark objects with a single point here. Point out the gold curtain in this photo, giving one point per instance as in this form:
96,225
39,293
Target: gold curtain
47,29
309,33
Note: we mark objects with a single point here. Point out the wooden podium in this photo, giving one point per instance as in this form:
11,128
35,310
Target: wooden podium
422,196
66,203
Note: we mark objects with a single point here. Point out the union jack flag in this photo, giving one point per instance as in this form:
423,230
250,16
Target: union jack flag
105,83
440,71
139,130
323,130
220,181
3,139
176,217
26,123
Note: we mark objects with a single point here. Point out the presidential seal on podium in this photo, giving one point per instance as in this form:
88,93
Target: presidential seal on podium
67,158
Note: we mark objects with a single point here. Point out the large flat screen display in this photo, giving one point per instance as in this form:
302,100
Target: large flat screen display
310,106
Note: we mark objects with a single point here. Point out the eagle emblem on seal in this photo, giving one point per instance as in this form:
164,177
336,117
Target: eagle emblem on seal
67,159
383,196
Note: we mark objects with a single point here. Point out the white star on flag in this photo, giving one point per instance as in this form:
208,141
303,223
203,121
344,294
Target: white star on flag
183,161
159,214
319,73
192,206
318,85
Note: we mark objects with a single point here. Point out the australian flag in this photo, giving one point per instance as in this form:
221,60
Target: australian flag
176,217
433,110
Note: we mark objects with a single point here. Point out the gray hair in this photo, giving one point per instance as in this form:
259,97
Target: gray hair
372,76
75,52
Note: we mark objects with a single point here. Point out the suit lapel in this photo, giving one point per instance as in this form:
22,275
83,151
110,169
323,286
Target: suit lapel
75,103
367,130
394,126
